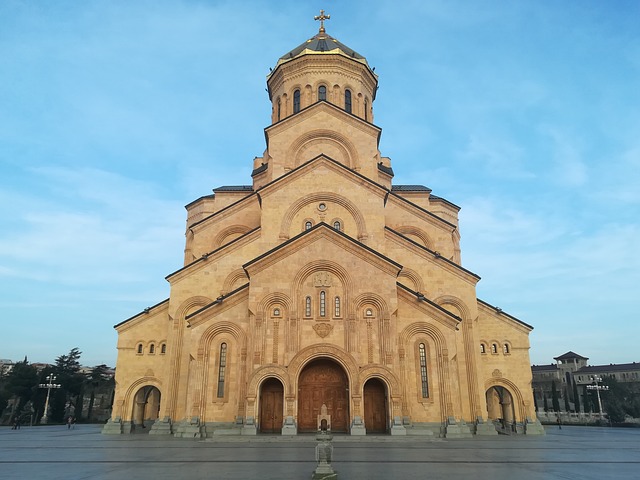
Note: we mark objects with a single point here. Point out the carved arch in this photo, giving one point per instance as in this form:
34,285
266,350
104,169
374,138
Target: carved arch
318,265
417,232
133,389
381,372
516,394
414,277
465,314
219,240
313,352
370,298
344,202
231,282
340,142
265,372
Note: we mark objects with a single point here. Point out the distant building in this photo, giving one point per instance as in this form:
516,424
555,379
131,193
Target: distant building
571,375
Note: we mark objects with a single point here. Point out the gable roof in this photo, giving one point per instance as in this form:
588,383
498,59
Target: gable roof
569,356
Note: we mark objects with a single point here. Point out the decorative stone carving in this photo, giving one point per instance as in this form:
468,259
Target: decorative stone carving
323,329
322,279
496,373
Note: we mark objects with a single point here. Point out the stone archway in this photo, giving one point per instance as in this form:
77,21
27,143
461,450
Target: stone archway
500,409
271,406
323,381
375,406
146,407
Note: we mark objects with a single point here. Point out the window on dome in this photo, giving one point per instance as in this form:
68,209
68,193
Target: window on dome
347,100
322,92
296,101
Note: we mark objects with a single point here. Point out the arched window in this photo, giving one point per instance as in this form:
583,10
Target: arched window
323,303
140,348
423,370
483,348
366,110
368,312
337,307
221,369
296,101
279,109
506,348
308,225
163,348
276,312
307,307
336,225
494,348
347,101
322,92
152,348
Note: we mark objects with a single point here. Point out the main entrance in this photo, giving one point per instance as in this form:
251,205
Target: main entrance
271,406
375,406
323,381
146,407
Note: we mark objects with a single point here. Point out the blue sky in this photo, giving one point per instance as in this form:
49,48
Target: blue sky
116,114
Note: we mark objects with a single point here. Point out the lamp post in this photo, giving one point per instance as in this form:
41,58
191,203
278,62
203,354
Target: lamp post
49,385
597,388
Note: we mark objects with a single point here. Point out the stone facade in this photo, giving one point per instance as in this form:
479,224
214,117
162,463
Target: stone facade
323,283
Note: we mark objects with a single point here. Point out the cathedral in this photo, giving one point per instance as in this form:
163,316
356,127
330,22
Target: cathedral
322,292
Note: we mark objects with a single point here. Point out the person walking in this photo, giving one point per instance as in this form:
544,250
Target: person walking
69,420
559,422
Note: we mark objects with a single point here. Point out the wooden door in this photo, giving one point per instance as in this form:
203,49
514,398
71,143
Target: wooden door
375,407
271,406
323,381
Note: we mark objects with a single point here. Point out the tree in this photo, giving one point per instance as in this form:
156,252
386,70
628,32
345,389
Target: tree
554,397
94,381
567,407
576,397
546,403
22,383
68,370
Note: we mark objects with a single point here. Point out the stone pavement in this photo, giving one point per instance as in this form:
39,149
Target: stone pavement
54,452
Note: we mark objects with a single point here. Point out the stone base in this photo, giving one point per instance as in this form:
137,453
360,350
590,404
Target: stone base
289,427
457,430
324,476
188,429
249,428
485,428
357,427
397,428
424,430
112,427
161,427
534,427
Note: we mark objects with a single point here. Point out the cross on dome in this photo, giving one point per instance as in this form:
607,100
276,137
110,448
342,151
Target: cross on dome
322,17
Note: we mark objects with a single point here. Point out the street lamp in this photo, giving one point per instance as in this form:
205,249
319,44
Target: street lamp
597,388
49,385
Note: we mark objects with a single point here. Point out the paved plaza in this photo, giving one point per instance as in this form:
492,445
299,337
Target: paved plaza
54,452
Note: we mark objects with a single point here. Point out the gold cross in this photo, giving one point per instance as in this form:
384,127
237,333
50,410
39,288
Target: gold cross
322,17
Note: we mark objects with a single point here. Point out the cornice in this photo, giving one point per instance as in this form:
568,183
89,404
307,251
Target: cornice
426,306
139,318
499,314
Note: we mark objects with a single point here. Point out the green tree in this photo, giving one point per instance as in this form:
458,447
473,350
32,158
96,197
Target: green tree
576,397
567,407
554,397
67,368
22,383
546,403
97,379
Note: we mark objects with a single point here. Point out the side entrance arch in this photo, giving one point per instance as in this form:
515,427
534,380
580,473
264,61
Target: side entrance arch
375,406
500,409
323,382
146,407
271,406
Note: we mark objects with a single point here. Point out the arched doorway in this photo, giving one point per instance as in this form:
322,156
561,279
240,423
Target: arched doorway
375,406
323,381
500,409
146,407
271,406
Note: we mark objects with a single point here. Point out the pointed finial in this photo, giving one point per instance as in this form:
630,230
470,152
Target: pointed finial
322,17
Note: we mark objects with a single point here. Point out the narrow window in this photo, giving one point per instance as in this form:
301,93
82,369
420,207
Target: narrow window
347,101
506,348
307,307
279,109
336,225
369,312
221,369
152,348
139,348
323,304
296,101
322,92
163,348
494,348
276,312
308,225
423,371
482,348
366,110
337,307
